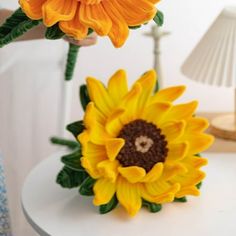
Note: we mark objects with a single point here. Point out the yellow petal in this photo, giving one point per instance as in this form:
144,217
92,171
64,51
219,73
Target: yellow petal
191,190
168,94
98,134
83,138
190,178
173,130
113,147
113,124
171,170
128,196
119,31
74,28
32,8
160,191
117,86
99,95
103,191
155,112
92,155
58,10
96,18
154,174
196,125
177,151
198,142
159,199
133,174
182,111
108,169
194,162
147,82
130,103
92,115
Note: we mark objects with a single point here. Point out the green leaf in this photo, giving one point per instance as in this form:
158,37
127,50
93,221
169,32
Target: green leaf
84,96
71,61
69,178
159,18
182,199
14,20
54,32
73,160
103,209
18,31
199,185
152,207
65,142
86,188
76,128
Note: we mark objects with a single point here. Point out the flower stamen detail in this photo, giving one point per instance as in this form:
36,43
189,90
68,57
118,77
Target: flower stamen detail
144,145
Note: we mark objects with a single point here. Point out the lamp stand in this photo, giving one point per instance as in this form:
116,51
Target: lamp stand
225,126
157,34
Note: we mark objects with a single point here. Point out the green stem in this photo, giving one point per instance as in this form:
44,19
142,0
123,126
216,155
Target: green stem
64,142
71,61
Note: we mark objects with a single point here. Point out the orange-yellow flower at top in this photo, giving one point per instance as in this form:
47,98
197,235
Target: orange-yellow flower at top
106,17
138,145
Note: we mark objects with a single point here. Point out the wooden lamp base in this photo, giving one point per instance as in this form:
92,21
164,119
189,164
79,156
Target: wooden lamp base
224,127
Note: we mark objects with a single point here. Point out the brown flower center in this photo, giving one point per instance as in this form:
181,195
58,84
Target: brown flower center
144,145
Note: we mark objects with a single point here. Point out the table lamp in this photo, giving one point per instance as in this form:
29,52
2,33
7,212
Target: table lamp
213,62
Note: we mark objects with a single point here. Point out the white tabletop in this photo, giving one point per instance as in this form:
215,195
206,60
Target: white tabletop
52,210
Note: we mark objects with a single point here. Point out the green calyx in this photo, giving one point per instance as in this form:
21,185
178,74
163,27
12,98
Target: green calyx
152,207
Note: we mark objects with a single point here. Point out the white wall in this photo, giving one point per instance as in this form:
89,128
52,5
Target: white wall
187,20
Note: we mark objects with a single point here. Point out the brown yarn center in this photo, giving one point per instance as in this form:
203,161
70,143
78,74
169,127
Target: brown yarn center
144,145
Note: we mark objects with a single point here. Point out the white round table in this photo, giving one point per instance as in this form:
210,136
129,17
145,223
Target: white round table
52,210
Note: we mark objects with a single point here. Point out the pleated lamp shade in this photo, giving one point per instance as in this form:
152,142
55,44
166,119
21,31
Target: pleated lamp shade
213,61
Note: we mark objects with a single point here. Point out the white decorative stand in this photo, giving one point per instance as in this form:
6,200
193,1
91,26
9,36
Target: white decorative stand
54,211
157,35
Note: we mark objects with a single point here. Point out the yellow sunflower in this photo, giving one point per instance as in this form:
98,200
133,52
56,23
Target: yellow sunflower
138,145
106,17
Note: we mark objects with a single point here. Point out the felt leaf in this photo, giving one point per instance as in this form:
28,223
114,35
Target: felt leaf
18,31
65,142
159,18
13,21
73,160
69,178
86,188
199,185
152,207
54,32
103,209
84,96
182,199
75,128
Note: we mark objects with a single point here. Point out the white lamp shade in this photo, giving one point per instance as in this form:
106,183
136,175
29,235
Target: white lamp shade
213,61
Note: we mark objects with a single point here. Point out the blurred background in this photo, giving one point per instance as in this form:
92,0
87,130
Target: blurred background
32,86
